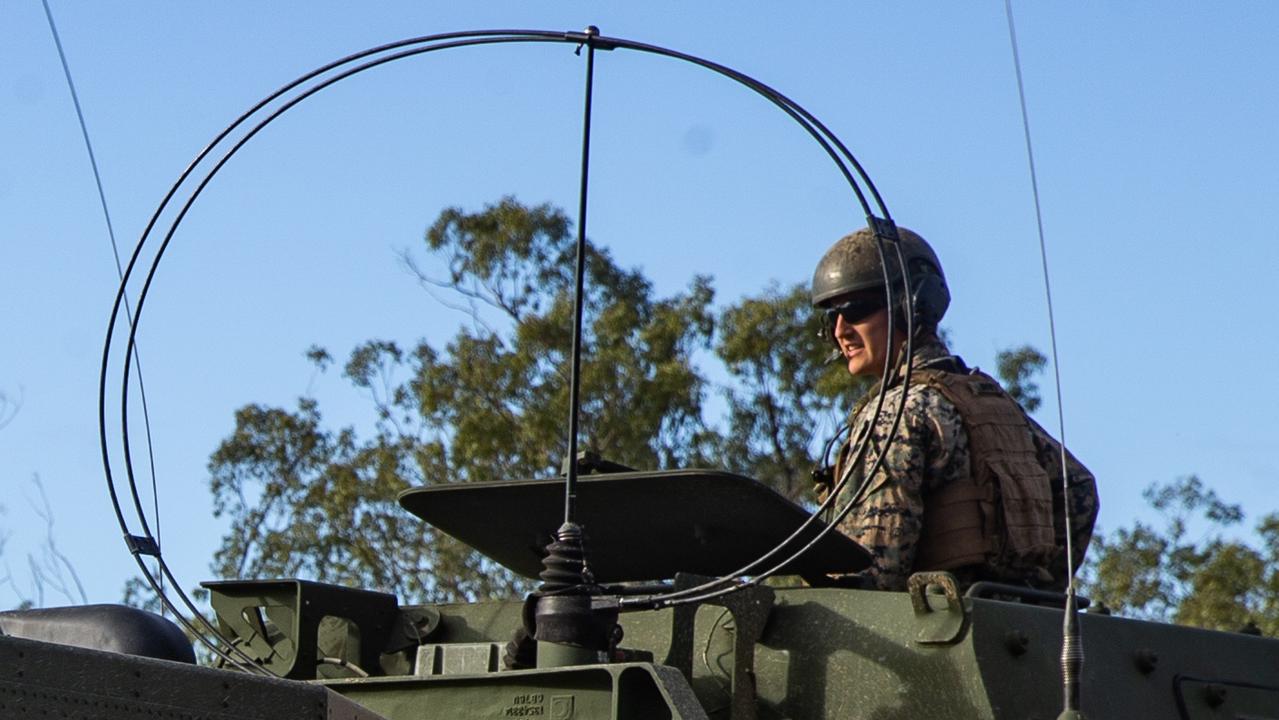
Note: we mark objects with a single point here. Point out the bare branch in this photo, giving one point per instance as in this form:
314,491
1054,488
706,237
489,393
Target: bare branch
431,285
9,407
53,568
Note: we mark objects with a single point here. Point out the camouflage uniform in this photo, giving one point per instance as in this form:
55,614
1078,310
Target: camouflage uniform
1083,503
930,451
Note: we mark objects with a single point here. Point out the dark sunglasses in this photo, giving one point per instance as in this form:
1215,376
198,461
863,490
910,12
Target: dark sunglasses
853,311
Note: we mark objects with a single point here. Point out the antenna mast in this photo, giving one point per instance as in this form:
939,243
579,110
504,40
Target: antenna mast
571,629
1072,648
579,277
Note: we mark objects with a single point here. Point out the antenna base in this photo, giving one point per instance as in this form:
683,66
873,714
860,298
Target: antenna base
572,623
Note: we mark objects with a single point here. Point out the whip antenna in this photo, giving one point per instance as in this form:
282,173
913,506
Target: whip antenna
1072,648
579,277
119,268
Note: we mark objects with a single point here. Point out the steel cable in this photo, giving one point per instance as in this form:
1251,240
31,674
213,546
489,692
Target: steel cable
319,79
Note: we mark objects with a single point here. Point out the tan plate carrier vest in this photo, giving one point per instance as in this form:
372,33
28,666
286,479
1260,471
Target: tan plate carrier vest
1000,520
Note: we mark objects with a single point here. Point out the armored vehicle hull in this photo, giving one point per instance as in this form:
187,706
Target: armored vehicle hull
784,653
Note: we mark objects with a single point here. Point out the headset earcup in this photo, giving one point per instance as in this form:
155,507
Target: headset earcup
931,298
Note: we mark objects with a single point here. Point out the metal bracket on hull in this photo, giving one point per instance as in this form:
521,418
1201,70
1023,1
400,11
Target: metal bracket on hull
943,617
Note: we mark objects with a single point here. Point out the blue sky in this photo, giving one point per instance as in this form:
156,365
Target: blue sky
1154,137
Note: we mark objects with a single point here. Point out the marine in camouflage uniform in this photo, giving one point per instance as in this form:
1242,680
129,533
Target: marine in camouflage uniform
890,485
929,453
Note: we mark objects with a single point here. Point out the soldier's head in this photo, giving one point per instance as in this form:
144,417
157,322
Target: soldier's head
849,287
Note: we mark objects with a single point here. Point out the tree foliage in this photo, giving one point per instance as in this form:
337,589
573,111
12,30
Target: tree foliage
492,404
1017,368
783,388
1176,574
307,499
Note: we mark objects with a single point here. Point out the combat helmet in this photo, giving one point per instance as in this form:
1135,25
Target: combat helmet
853,263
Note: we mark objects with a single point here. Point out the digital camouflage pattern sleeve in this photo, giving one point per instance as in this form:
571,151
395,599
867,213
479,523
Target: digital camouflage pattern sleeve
929,452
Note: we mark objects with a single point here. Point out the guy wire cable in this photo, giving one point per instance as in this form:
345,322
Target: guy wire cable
135,542
797,113
753,85
834,148
119,268
161,570
1072,650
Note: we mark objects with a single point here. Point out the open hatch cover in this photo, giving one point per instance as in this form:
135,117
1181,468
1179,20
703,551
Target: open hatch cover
638,525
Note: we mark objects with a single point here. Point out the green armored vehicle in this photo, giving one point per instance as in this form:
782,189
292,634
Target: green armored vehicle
759,652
